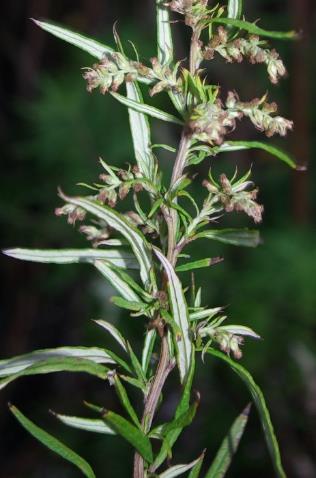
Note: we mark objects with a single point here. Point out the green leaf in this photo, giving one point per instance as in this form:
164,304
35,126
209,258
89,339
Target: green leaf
128,304
180,315
125,401
89,45
234,8
95,425
60,364
253,29
195,471
205,313
71,256
260,403
235,237
149,343
242,145
52,443
19,363
93,47
118,222
189,266
164,36
229,446
116,334
130,433
182,408
140,133
147,109
113,277
136,365
178,470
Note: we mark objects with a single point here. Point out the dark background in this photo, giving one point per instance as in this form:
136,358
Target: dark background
52,133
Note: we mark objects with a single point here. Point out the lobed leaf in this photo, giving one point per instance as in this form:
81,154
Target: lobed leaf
235,237
229,446
242,145
72,256
95,425
118,222
147,109
263,411
130,433
180,315
254,29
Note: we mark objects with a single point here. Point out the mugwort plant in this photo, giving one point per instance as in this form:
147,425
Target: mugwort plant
142,252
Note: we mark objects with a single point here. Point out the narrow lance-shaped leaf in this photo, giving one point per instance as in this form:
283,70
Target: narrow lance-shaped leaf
95,425
189,266
180,315
178,470
60,364
53,444
229,446
93,47
125,401
234,8
147,109
118,222
140,133
120,285
195,471
149,343
242,145
182,408
235,237
116,334
130,433
70,256
254,29
260,403
164,36
20,362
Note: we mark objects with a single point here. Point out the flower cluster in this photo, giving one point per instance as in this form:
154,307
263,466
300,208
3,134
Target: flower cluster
112,71
236,195
210,122
228,337
250,48
261,114
193,10
74,213
167,78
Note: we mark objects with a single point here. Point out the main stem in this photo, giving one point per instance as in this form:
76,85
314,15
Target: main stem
170,215
165,365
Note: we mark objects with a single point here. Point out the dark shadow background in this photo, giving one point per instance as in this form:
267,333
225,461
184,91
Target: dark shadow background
52,133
